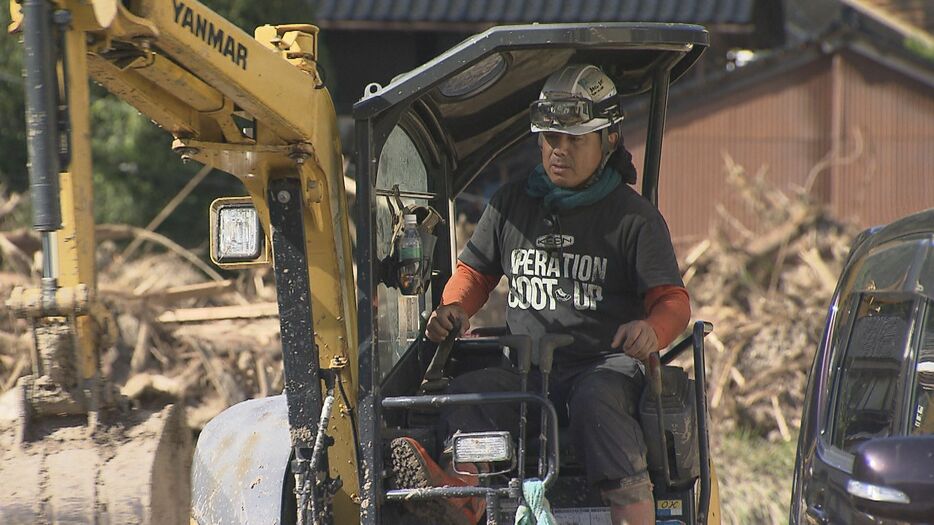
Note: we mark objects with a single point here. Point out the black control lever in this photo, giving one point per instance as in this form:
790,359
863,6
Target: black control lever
434,380
546,349
522,345
546,356
655,387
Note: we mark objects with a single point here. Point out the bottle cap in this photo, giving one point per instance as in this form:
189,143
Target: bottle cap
411,219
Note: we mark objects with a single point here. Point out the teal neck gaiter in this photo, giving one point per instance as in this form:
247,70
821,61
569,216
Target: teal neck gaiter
560,199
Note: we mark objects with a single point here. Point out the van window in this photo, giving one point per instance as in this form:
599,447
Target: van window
871,370
922,401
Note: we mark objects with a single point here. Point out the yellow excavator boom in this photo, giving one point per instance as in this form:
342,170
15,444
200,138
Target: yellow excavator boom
253,106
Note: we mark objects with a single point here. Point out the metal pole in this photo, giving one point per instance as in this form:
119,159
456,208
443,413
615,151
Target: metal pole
523,422
296,325
700,391
654,370
658,110
546,347
492,508
49,284
369,410
522,344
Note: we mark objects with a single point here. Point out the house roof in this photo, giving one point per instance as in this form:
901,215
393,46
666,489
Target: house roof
856,31
349,13
916,14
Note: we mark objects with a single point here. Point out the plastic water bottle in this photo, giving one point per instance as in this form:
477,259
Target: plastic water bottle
410,257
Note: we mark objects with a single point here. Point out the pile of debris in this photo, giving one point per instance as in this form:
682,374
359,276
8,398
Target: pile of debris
212,342
15,270
178,330
767,293
766,285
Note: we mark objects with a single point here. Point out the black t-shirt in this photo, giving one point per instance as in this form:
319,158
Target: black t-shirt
583,271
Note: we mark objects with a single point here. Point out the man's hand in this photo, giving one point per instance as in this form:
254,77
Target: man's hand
637,339
442,321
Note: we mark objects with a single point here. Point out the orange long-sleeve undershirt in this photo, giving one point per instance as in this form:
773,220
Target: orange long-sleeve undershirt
668,311
668,307
469,288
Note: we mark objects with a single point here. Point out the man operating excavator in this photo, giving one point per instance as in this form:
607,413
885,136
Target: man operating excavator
584,255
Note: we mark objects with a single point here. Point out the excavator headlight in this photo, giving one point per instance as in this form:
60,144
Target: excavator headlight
480,447
237,237
238,233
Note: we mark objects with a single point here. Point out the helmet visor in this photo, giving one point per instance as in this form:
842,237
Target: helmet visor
568,112
560,112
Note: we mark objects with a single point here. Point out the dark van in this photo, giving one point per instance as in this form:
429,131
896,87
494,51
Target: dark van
866,448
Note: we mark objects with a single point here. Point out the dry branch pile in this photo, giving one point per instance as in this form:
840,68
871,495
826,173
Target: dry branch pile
766,289
178,330
213,343
767,294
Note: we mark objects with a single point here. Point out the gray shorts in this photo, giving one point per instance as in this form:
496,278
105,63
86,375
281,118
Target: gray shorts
601,399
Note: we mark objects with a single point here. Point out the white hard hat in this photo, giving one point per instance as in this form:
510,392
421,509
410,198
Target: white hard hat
576,100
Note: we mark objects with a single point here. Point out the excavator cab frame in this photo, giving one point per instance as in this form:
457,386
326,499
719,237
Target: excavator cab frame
421,140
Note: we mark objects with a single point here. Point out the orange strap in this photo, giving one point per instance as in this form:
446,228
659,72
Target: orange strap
668,310
469,288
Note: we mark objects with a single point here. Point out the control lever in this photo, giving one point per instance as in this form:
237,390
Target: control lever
655,387
546,349
546,355
522,344
434,380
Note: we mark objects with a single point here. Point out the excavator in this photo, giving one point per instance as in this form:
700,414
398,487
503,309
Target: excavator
358,371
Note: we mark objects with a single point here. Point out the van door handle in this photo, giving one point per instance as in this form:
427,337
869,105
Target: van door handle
816,515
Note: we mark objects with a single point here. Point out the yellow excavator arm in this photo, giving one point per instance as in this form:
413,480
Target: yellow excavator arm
254,107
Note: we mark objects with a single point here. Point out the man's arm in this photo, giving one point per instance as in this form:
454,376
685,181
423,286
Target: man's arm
464,294
668,311
469,288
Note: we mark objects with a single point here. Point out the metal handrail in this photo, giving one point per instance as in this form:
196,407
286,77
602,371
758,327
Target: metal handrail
681,346
696,342
701,329
440,400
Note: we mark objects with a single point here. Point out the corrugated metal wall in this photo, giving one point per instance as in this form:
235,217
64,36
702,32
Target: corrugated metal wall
784,127
894,175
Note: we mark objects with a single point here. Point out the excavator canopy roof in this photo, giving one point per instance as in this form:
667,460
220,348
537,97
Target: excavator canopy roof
472,101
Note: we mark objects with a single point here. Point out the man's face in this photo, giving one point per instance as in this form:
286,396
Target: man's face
570,160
